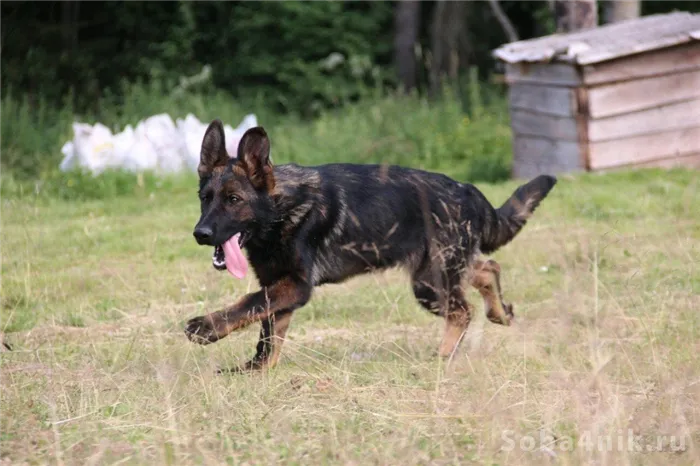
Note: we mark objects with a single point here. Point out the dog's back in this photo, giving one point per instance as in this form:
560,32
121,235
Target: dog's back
371,217
376,216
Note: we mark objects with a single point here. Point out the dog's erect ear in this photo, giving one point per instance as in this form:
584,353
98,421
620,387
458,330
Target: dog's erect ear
213,152
254,158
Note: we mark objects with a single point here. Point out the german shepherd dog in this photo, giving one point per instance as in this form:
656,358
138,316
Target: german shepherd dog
306,226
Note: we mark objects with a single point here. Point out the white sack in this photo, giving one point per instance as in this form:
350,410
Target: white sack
157,144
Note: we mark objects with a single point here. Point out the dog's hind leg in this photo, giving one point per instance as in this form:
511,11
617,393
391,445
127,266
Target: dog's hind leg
434,293
485,276
457,319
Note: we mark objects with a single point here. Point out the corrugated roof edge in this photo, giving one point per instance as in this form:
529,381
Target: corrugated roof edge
555,47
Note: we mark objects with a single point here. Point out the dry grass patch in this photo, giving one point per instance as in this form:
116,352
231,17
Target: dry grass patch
606,289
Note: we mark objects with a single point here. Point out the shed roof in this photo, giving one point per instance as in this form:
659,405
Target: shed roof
606,42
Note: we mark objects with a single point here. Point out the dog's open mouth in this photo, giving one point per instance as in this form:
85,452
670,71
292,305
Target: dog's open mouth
229,256
218,260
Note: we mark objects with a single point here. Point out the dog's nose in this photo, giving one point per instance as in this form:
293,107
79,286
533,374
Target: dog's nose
203,234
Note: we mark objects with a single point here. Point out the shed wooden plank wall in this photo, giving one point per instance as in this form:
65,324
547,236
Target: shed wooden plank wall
544,119
645,109
644,65
642,110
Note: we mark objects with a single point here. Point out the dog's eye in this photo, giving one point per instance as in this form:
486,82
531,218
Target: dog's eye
232,198
204,197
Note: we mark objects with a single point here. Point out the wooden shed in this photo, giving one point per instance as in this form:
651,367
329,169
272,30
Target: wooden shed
620,95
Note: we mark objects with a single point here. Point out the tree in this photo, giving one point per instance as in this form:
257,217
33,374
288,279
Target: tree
575,15
621,10
406,22
449,42
69,25
503,20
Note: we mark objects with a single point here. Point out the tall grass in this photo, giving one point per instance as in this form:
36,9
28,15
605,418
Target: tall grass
95,296
465,133
606,292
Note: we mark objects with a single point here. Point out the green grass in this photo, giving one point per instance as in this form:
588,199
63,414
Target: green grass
437,135
95,293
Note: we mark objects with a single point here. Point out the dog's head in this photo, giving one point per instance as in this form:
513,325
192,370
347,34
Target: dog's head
234,192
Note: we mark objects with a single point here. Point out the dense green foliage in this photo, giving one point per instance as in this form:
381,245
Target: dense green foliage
119,62
278,49
408,130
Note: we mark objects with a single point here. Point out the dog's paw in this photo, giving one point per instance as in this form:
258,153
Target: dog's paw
201,330
251,366
499,319
509,311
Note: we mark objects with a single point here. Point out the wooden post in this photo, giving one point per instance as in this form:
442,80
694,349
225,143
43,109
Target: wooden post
575,15
621,10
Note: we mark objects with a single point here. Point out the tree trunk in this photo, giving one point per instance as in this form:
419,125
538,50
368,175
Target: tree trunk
406,22
621,10
503,20
449,44
575,15
69,25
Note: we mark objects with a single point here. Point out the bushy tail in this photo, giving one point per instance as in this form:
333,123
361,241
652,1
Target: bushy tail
512,215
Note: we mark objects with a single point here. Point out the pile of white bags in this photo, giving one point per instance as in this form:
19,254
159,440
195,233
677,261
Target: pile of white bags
157,144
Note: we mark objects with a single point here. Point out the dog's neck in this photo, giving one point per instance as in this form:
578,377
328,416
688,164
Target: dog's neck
295,194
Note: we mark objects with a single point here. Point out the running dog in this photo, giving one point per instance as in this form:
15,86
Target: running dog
306,226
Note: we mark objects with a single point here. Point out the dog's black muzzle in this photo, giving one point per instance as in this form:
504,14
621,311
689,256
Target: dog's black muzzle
204,235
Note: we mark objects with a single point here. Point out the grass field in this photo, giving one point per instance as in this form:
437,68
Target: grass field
604,280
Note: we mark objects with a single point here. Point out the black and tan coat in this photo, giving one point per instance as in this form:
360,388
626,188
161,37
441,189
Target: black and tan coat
306,226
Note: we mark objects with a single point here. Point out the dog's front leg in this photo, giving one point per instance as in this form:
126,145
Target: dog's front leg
268,349
286,294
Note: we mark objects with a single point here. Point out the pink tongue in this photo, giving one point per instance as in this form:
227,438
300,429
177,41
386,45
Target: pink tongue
236,262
